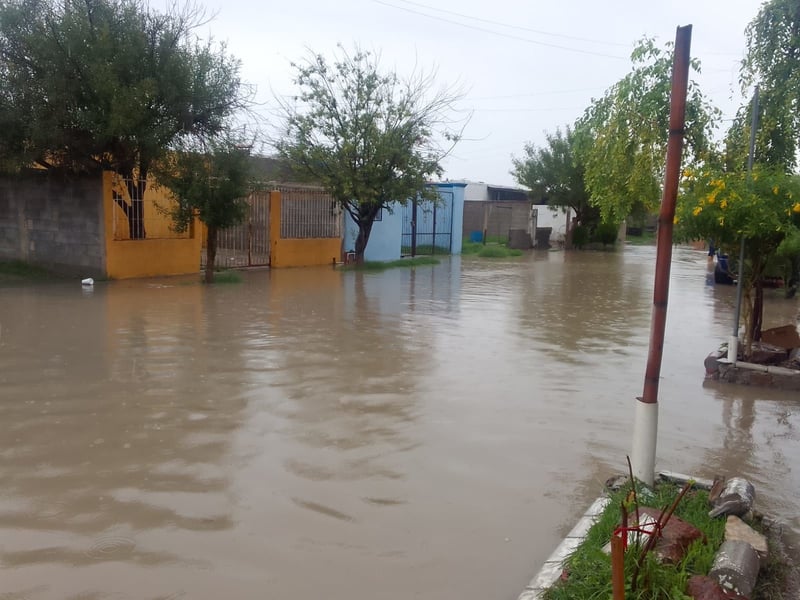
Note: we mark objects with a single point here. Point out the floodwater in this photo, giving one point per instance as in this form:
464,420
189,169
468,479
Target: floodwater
308,433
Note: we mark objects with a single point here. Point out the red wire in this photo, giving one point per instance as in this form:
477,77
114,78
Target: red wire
623,532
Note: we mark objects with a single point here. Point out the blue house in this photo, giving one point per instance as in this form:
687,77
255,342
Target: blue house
418,227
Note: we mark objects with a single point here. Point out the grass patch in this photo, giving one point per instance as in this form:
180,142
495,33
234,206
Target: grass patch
589,567
648,238
426,249
17,270
468,248
373,265
498,252
227,277
490,250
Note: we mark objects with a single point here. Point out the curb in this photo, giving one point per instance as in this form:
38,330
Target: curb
551,570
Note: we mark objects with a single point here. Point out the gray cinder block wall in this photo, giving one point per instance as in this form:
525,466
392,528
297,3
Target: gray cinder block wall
503,216
53,221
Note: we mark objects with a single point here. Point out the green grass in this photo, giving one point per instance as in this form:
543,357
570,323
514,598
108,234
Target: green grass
382,266
648,238
227,277
498,252
589,567
490,250
468,248
17,270
497,239
426,249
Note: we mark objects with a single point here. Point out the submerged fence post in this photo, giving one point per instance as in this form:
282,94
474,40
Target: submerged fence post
645,425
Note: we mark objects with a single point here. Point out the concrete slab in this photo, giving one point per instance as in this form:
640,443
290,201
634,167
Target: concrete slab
681,479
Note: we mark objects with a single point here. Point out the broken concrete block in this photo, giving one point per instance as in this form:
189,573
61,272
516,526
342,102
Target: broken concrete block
736,498
785,337
676,536
738,530
767,354
702,587
711,362
736,567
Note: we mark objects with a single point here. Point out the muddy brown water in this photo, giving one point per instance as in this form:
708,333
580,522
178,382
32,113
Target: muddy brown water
427,433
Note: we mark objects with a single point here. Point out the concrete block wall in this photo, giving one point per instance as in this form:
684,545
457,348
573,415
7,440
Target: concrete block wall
53,222
503,216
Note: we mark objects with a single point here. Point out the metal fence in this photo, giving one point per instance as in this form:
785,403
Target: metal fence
309,212
428,226
142,211
246,244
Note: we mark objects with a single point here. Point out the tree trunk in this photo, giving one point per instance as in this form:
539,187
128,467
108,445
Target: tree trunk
794,277
569,230
753,301
361,242
135,210
211,252
365,221
758,311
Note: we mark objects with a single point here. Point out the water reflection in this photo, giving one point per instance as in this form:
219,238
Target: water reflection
427,432
605,296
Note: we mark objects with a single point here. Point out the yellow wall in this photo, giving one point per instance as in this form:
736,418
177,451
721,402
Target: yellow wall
297,252
127,258
305,253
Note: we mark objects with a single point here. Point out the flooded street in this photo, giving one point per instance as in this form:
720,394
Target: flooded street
308,433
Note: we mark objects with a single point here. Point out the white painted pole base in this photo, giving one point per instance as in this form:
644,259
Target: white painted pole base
645,431
733,349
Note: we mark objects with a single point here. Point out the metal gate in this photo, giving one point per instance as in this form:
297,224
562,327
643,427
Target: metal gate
428,226
246,244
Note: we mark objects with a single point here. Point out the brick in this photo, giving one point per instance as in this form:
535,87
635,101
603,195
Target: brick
676,536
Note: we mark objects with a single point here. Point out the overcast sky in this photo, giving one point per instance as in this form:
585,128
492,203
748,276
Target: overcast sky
527,67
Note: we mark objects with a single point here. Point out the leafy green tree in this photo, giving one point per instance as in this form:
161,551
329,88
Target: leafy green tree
210,181
555,172
726,206
369,138
108,84
625,135
773,63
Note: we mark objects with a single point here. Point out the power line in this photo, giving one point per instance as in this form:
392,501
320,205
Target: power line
547,109
517,27
497,33
543,93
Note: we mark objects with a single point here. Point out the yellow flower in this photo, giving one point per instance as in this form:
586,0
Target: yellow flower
722,220
712,199
698,209
775,189
723,205
675,220
796,207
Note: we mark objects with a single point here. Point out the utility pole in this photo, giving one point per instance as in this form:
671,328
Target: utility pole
645,424
733,343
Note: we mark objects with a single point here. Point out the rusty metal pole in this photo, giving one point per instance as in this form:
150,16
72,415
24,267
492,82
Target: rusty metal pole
645,427
618,567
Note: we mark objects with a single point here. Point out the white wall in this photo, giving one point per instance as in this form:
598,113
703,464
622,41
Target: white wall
476,192
555,219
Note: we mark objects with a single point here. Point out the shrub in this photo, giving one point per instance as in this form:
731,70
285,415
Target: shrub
580,236
606,233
